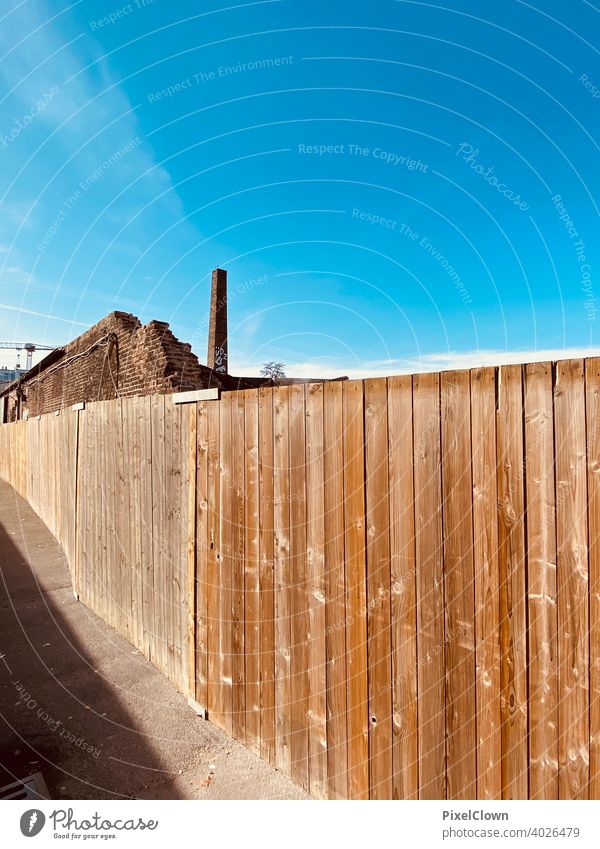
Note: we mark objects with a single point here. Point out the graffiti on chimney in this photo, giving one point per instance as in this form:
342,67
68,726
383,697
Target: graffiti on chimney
220,360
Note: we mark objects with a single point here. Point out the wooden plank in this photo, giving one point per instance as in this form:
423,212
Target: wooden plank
184,611
511,548
252,573
592,388
185,628
159,531
126,529
282,578
172,470
226,563
80,524
299,594
356,590
267,595
143,433
72,495
178,562
335,591
238,568
190,418
141,509
541,582
138,519
430,582
573,574
95,508
195,396
461,740
128,610
403,584
315,547
378,590
487,583
213,543
88,549
202,577
113,581
102,523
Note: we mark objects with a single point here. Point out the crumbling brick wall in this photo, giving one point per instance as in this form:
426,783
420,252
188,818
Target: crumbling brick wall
118,357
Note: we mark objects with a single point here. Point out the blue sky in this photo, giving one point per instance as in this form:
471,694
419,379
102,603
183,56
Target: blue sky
392,186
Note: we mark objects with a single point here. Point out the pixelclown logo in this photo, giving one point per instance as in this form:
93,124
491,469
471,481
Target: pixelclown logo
32,822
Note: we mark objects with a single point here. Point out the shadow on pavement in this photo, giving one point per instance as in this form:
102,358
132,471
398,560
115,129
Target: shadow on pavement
59,715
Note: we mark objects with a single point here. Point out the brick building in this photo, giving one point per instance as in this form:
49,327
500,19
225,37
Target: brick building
118,357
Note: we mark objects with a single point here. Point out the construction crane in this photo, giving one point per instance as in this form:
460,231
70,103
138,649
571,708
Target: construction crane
29,347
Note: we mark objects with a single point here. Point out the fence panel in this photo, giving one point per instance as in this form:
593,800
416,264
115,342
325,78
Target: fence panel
387,589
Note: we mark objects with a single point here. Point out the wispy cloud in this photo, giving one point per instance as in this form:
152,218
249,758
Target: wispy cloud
442,361
49,316
89,118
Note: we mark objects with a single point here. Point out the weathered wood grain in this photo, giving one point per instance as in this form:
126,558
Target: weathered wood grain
487,583
573,580
541,582
592,388
378,590
267,594
252,572
335,591
283,581
459,601
299,591
356,590
316,589
403,590
201,576
513,616
430,587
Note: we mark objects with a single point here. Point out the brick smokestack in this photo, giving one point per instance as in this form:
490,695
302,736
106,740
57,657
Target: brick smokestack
217,331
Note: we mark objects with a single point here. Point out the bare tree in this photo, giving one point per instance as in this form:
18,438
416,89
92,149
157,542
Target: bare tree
273,370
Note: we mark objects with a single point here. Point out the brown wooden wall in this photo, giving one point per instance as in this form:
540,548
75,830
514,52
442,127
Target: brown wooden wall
386,588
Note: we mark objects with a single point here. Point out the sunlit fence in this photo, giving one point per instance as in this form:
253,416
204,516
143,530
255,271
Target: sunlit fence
387,588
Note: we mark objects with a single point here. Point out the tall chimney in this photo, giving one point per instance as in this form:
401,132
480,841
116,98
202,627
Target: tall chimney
217,331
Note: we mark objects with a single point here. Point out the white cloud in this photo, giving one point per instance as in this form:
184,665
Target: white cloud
442,361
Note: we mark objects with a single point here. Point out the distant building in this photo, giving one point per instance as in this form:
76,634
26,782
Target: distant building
7,375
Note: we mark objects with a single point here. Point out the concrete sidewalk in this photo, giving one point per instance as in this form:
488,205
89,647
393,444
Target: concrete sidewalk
81,706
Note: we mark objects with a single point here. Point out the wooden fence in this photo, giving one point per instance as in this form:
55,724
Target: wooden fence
386,588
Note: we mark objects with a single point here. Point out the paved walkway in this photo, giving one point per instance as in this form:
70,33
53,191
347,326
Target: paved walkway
81,706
